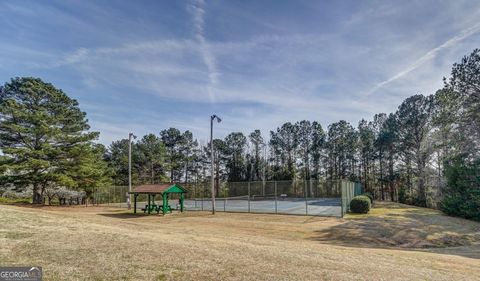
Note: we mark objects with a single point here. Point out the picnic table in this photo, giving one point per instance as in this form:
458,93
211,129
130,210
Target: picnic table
155,208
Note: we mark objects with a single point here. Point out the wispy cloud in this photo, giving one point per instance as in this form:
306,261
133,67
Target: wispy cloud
78,55
257,65
197,9
428,56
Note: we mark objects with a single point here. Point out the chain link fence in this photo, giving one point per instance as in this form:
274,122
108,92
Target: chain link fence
312,197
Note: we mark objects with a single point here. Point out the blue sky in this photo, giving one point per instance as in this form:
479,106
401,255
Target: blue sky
143,66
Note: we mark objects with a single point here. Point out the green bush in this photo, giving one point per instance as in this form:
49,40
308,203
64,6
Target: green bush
369,195
462,194
360,204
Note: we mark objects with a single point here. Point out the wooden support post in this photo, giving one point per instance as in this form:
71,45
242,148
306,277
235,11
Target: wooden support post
135,203
181,202
165,202
148,205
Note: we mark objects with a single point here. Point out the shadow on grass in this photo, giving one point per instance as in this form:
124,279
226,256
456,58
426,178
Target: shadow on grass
404,227
125,215
122,214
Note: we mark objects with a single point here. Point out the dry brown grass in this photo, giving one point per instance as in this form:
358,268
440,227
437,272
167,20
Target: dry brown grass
394,242
402,226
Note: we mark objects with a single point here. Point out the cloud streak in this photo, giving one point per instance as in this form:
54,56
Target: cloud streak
428,56
197,9
255,64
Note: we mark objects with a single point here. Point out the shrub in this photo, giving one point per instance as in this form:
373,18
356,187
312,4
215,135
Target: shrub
369,195
462,194
360,204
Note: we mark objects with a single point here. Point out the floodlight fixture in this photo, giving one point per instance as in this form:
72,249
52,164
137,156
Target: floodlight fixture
214,116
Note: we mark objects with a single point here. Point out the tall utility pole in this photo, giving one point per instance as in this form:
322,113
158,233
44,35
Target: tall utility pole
129,201
213,117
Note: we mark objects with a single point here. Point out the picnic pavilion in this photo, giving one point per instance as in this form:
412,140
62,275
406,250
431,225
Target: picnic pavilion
164,190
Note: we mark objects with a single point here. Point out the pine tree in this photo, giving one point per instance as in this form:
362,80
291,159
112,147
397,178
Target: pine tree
256,139
41,132
414,116
235,146
172,139
151,152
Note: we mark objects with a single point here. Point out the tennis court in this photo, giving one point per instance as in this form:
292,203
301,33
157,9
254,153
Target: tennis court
313,197
294,206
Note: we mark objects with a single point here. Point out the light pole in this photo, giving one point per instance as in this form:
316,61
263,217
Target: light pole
213,117
264,167
129,201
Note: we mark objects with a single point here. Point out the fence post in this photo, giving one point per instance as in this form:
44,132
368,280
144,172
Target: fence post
341,194
248,187
224,199
352,193
275,197
263,188
306,195
120,196
203,193
310,190
294,188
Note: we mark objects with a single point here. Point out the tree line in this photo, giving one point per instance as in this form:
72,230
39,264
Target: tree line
425,153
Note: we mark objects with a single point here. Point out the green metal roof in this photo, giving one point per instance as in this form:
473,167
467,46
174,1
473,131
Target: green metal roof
175,189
